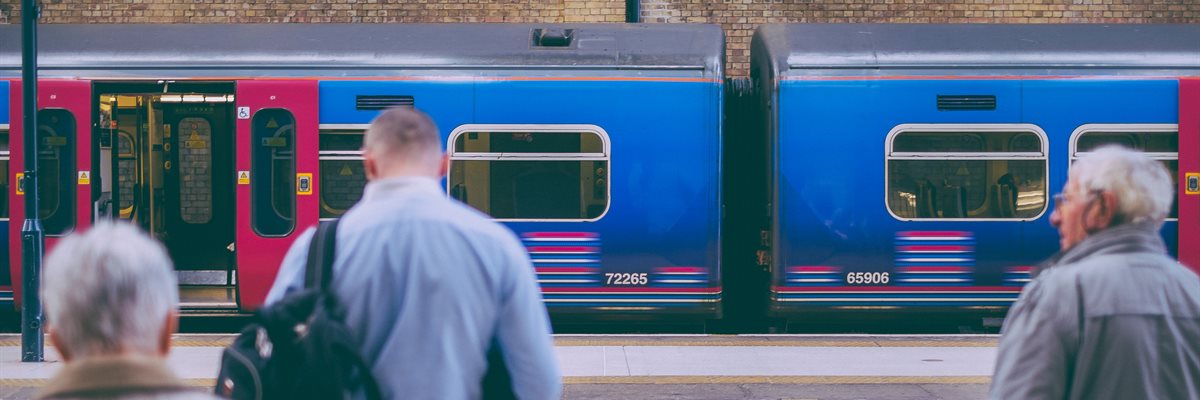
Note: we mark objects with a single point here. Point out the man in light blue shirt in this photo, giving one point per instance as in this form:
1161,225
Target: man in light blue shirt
426,282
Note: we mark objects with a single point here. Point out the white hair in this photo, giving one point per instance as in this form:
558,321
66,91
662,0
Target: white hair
109,290
1143,187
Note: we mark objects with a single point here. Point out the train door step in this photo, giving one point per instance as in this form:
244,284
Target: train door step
207,292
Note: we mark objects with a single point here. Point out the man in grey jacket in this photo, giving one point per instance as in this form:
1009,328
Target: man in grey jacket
1111,316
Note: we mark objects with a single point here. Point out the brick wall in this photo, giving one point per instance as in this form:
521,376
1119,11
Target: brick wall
738,17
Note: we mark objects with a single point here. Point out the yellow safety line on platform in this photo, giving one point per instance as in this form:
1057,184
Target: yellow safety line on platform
795,380
677,380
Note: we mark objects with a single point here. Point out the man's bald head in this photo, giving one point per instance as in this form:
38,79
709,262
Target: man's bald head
402,141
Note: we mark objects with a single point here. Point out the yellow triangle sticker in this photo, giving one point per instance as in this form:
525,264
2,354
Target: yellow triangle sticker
243,177
345,171
271,124
84,178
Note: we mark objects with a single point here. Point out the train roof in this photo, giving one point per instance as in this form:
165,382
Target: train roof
381,47
833,47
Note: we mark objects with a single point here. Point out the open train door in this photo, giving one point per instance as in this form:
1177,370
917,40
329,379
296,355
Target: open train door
64,164
276,147
1189,173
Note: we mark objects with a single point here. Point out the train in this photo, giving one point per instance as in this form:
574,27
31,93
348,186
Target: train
859,169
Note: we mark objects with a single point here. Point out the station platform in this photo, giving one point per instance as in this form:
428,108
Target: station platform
677,366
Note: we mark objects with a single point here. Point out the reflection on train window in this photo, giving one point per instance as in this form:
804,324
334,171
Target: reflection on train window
538,173
195,170
1159,141
342,175
4,177
56,161
966,172
273,172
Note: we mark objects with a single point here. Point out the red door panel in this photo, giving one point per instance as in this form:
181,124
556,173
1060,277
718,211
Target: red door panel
74,96
1189,172
259,255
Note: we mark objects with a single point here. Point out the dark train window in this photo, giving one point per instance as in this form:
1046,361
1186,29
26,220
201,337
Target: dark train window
195,170
56,162
273,172
127,172
982,172
1159,142
531,173
342,174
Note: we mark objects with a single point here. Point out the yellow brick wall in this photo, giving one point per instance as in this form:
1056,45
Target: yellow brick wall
738,17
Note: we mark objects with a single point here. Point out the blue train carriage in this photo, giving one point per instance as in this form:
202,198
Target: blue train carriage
598,145
911,167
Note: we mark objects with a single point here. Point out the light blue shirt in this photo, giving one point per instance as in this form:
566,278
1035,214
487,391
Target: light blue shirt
427,283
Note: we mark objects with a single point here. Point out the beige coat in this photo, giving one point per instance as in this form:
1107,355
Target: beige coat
119,377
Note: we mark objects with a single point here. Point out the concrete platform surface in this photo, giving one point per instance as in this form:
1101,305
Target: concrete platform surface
672,366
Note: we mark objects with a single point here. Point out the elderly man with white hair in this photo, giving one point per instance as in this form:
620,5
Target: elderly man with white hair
1111,316
111,302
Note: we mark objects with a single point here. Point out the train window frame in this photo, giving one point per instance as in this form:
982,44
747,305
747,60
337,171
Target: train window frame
70,181
337,155
1084,129
605,155
978,129
255,183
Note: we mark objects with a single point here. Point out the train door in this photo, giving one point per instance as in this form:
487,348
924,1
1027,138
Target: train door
277,159
1189,171
165,162
64,160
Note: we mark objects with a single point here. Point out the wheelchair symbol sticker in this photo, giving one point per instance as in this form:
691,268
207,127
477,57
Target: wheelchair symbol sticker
304,184
243,112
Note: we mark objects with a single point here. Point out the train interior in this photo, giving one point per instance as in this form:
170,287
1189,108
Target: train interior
169,146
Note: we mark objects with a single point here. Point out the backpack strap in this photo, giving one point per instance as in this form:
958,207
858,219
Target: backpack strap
319,268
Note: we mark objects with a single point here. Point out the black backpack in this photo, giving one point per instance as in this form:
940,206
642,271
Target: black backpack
299,347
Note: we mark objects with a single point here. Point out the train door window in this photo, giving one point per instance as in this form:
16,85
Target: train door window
273,172
127,171
56,162
4,177
342,174
195,170
966,172
531,172
1158,141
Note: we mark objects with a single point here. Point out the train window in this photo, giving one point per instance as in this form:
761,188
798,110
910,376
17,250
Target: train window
195,176
531,172
273,172
1159,142
127,171
970,172
342,174
56,161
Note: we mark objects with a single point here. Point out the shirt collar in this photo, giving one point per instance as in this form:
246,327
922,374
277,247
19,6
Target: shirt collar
386,187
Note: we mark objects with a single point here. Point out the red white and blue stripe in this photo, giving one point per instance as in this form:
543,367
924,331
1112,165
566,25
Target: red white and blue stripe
813,275
564,259
679,277
934,258
1017,276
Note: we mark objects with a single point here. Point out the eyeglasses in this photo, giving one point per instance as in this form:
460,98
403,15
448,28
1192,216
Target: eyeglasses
1061,198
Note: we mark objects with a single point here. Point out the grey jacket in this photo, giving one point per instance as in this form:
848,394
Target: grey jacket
120,377
1113,317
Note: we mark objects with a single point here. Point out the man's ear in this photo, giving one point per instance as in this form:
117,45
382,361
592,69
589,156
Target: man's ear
444,167
169,327
369,165
1103,214
58,343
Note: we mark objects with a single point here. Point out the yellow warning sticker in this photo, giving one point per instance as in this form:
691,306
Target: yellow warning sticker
243,177
85,178
304,184
1192,183
20,184
345,171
